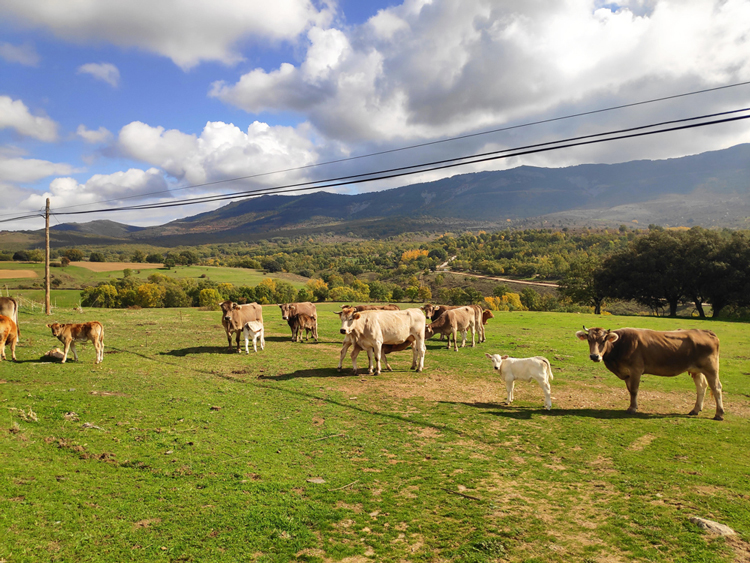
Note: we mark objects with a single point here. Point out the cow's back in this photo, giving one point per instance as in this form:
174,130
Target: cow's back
248,313
305,308
9,308
664,352
393,326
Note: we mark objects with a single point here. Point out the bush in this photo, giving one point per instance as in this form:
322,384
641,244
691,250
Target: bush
209,299
150,295
104,295
97,257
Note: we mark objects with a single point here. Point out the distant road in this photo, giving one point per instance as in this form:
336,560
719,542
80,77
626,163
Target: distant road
444,268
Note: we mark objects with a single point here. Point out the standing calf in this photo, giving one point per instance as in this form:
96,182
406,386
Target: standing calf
300,322
524,369
69,334
257,330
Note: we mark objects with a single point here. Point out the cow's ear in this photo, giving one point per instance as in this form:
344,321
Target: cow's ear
339,313
505,357
49,326
356,316
613,337
582,335
488,355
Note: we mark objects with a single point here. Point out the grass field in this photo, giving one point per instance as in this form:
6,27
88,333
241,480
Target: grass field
88,273
174,449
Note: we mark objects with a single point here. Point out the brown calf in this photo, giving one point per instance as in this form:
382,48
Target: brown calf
69,334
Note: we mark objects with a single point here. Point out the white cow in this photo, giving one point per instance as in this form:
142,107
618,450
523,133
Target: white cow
257,330
524,369
373,329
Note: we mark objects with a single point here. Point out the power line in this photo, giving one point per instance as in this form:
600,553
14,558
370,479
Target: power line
420,145
439,165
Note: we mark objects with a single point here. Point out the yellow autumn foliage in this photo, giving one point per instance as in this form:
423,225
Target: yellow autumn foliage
410,255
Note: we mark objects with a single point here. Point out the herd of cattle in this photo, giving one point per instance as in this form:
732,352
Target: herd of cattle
379,330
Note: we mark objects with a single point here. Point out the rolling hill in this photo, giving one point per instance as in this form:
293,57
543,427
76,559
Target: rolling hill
710,189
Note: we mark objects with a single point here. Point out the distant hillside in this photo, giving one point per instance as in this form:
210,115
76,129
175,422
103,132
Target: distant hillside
710,189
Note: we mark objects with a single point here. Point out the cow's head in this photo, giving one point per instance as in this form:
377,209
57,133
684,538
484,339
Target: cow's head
429,309
497,360
56,329
226,306
487,315
600,341
229,307
347,317
287,310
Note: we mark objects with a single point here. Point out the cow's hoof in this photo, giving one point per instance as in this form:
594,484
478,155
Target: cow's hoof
693,413
719,417
632,411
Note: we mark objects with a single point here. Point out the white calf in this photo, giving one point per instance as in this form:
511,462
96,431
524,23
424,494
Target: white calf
256,328
524,369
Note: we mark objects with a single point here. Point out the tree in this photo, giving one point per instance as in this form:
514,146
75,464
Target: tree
104,295
150,295
156,258
175,296
21,256
579,284
138,256
209,298
73,254
425,293
97,257
531,299
64,261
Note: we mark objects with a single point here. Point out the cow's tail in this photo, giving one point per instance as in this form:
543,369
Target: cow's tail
15,319
548,367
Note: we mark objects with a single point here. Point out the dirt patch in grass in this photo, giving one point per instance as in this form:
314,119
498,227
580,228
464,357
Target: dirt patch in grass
438,385
114,266
12,274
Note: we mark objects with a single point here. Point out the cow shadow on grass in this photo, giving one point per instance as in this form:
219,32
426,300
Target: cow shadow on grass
308,373
198,350
527,413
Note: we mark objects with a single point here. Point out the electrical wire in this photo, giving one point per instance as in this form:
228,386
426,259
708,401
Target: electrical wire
420,145
436,165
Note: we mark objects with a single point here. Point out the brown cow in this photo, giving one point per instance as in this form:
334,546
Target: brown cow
289,310
69,334
453,321
234,317
9,308
300,322
631,352
8,333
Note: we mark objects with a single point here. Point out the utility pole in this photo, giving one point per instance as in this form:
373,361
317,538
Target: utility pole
46,261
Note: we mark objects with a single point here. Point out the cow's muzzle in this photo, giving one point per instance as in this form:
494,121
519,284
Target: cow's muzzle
342,331
595,357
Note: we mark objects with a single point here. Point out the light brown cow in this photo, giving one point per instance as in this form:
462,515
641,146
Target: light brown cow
631,352
234,317
300,322
9,308
8,333
452,322
71,333
434,312
289,310
373,329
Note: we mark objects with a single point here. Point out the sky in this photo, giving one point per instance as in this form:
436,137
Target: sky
107,103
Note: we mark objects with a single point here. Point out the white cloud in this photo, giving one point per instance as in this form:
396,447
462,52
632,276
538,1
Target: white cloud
187,34
15,114
133,183
222,151
101,135
433,69
22,54
106,72
30,169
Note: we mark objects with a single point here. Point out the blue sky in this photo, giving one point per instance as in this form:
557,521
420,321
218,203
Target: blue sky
119,100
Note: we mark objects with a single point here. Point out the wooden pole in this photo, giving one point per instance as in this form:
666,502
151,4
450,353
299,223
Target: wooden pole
46,262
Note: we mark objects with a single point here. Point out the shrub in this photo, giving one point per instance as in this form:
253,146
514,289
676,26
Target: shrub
209,299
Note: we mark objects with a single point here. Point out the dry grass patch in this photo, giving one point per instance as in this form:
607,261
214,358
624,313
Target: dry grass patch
13,274
115,266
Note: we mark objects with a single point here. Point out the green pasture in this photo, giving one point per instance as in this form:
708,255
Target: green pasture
174,449
76,276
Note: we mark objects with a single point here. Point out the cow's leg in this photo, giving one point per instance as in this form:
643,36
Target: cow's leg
455,340
384,358
509,386
2,347
98,348
463,337
700,391
246,333
238,333
262,338
73,348
544,384
65,352
315,330
344,348
12,348
633,382
422,353
229,340
377,350
355,352
473,334
712,375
